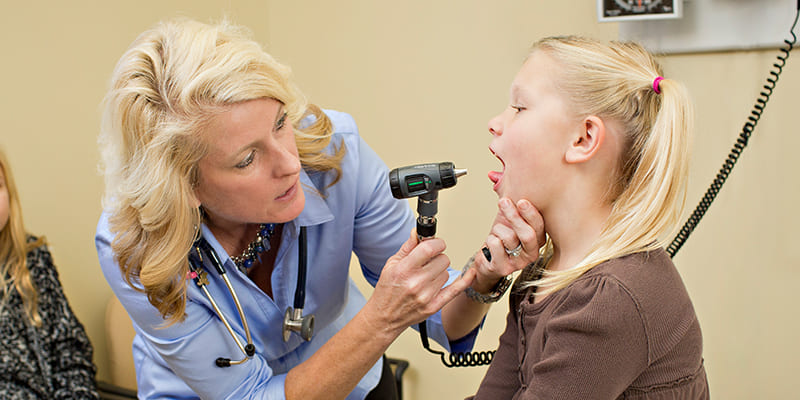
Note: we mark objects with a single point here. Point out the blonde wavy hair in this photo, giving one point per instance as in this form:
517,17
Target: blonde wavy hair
167,86
614,81
14,249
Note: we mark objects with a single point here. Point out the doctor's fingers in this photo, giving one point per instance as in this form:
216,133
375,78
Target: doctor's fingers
417,270
436,295
424,252
411,291
448,293
413,254
430,277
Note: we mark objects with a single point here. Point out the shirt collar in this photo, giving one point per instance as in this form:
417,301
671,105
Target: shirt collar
316,210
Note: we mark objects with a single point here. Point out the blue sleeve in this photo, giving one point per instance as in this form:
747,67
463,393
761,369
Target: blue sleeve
382,225
184,353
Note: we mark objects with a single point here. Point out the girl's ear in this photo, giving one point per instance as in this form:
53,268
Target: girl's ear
588,140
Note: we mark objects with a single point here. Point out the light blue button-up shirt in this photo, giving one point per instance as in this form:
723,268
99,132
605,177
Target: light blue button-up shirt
357,214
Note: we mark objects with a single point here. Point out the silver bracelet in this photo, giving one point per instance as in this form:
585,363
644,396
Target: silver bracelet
495,294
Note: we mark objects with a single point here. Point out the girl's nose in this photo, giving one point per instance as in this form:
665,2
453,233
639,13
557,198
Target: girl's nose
496,126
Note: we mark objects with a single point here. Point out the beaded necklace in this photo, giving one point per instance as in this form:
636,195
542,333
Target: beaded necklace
259,245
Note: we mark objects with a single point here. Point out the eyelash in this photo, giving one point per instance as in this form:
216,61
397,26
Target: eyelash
518,108
247,161
281,121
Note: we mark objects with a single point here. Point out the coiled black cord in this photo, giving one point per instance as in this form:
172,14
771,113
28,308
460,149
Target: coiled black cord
738,147
469,359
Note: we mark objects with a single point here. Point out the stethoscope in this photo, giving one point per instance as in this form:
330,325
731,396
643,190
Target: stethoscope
293,320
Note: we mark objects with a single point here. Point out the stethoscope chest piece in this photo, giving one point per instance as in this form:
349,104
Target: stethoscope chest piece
294,321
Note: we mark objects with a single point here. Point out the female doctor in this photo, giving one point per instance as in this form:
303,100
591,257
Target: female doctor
231,211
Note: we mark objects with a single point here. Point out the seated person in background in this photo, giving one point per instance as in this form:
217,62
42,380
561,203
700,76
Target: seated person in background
44,353
598,142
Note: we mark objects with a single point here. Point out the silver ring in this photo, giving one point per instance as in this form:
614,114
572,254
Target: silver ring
515,252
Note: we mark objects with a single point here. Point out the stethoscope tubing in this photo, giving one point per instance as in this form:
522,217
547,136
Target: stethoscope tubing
302,263
293,321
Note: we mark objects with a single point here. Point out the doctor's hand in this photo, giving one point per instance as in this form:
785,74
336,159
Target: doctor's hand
514,241
410,288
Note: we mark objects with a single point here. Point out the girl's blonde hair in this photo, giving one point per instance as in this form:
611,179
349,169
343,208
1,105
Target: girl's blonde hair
166,87
14,249
615,81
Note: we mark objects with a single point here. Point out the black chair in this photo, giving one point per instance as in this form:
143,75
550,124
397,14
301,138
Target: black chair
108,391
399,367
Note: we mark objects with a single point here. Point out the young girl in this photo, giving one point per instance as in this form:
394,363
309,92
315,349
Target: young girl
45,353
597,140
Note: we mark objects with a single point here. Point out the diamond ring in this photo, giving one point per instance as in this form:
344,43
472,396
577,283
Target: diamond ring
515,252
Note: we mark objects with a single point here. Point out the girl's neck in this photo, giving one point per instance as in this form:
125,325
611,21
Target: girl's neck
573,232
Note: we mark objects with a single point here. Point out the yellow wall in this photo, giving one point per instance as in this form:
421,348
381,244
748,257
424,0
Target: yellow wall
422,79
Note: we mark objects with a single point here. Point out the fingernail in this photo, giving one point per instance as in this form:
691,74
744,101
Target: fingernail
505,203
524,205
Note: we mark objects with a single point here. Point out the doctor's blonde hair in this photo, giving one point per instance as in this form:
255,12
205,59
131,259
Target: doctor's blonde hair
167,86
614,81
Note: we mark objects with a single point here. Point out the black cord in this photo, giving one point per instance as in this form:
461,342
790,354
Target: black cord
738,147
302,262
468,359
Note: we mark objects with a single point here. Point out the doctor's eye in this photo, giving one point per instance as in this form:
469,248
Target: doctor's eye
247,161
281,122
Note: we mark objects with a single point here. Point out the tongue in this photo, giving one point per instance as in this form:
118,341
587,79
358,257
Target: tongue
495,176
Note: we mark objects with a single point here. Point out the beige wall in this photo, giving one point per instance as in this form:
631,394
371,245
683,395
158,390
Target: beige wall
422,79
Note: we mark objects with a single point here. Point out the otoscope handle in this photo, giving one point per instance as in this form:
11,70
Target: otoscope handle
427,207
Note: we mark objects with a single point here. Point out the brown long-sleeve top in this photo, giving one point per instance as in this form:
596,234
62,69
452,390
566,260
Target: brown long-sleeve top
625,329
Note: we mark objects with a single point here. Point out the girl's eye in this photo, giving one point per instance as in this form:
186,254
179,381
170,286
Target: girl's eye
247,161
518,108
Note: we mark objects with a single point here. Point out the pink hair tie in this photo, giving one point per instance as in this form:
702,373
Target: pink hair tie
655,84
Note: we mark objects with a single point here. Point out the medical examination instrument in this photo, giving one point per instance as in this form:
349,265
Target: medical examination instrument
424,182
293,320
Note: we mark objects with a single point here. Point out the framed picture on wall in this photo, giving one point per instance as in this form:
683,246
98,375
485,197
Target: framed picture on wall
626,10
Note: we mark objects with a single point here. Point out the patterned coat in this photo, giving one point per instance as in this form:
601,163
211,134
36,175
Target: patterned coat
53,361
